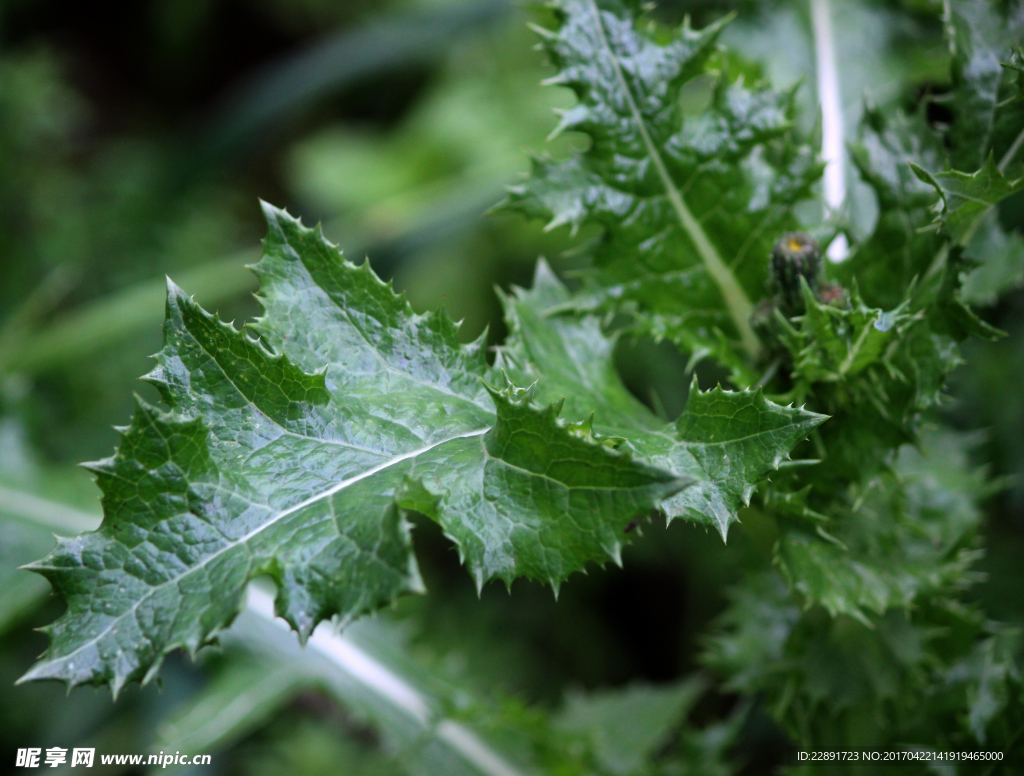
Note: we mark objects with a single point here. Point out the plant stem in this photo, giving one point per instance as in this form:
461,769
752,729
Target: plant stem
58,517
360,671
834,178
1011,152
735,297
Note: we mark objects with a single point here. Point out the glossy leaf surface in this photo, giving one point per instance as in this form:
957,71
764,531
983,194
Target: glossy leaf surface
739,435
294,456
687,206
296,464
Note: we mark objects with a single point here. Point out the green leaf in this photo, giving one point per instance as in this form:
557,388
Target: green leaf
687,207
893,155
367,670
34,503
624,727
863,584
822,676
838,342
987,120
966,197
993,684
900,247
872,370
999,260
908,537
239,699
934,676
726,441
296,464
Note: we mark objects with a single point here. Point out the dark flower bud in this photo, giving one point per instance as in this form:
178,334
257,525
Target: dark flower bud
796,255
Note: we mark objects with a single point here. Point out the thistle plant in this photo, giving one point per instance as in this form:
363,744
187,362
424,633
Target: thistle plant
295,448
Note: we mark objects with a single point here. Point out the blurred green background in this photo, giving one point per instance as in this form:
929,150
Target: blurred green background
135,141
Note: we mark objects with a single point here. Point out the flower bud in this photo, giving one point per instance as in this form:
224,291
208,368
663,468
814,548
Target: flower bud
796,255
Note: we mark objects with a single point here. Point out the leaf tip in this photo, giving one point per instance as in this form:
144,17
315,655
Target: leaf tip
556,586
614,551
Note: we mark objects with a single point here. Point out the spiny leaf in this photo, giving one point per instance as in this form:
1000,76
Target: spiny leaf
909,535
687,207
839,341
739,436
295,463
876,599
900,247
967,196
987,120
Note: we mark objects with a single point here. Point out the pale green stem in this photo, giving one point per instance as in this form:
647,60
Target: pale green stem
358,667
832,146
62,519
1011,152
735,297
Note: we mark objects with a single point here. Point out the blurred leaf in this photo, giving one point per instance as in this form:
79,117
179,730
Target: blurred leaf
240,699
899,558
300,746
999,257
466,132
285,89
367,672
80,333
966,197
987,122
993,684
909,537
624,728
899,247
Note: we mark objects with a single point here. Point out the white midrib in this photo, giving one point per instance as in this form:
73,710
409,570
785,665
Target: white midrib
735,297
253,533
